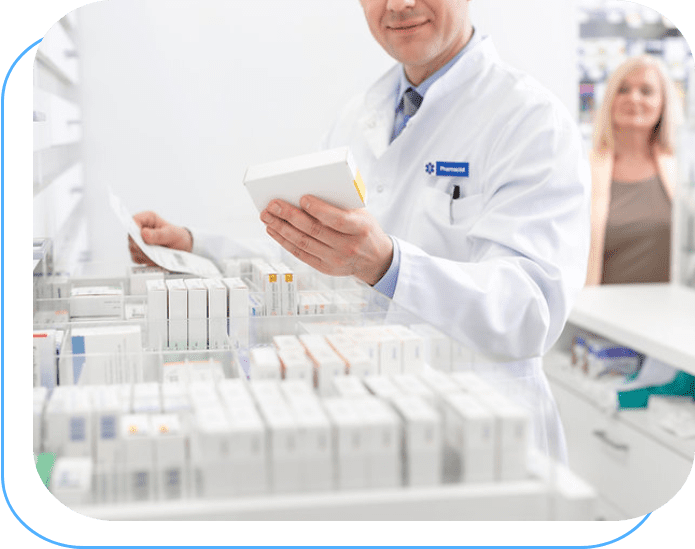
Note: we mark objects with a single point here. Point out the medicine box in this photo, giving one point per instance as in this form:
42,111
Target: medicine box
470,439
103,354
170,466
138,456
197,313
96,301
422,440
157,313
178,314
348,444
238,307
264,364
45,363
330,175
71,480
140,274
382,441
217,313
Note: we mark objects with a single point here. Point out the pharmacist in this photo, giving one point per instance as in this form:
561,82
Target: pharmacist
478,202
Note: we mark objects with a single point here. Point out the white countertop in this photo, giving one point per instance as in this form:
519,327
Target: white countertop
655,319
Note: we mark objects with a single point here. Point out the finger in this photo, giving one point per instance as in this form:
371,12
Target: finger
341,221
279,214
311,260
164,236
147,219
297,237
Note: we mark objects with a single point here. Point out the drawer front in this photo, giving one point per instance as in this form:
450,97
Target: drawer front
628,468
640,474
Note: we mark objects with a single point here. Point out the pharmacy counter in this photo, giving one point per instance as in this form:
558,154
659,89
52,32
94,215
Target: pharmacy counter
655,319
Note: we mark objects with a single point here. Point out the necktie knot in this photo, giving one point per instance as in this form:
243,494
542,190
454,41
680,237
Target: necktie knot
411,102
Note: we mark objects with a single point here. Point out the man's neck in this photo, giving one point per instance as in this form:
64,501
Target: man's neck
417,74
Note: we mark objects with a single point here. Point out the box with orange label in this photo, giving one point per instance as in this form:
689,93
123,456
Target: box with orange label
330,175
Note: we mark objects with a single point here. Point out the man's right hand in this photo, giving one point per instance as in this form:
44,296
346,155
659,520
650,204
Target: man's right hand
155,230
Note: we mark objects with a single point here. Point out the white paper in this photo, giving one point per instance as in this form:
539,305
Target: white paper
173,260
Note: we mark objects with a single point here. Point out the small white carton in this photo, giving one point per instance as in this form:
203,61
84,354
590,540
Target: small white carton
217,312
249,454
264,364
238,307
422,440
330,175
178,314
140,274
383,443
71,480
197,313
512,429
157,313
438,352
296,365
316,465
285,454
138,457
348,443
170,466
45,360
470,439
349,387
96,302
412,349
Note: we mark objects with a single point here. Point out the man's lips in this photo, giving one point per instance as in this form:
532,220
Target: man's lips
406,26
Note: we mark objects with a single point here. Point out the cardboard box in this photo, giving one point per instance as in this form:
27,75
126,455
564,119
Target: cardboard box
264,364
138,457
140,274
96,302
470,439
157,314
422,440
330,175
170,464
103,354
197,313
348,444
238,307
218,302
178,314
45,360
382,441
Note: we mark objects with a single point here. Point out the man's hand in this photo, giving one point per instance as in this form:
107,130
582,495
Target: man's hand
155,230
334,241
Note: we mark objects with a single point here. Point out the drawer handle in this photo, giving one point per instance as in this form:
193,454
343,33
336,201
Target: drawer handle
604,437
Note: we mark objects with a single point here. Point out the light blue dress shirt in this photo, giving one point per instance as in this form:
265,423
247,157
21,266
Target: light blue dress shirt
387,284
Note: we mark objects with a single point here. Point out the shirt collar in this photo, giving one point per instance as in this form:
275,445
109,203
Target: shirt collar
404,84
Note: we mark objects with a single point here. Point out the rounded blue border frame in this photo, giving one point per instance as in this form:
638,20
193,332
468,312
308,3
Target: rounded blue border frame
2,382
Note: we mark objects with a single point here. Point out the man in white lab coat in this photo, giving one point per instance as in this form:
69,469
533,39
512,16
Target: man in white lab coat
477,215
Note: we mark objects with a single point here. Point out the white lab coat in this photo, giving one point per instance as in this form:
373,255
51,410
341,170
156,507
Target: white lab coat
499,268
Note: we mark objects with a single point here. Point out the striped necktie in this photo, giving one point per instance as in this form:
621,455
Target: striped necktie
410,103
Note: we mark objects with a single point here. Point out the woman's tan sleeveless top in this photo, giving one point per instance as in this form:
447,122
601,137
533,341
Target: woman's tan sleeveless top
638,233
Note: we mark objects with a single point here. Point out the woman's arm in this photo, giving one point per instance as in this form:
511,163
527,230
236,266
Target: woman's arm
601,178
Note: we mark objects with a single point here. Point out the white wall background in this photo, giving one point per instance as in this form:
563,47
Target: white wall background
180,96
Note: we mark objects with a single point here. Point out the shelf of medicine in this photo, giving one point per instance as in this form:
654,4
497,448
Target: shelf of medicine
566,497
537,492
654,319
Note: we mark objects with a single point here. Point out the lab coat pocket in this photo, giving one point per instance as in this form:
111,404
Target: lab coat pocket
466,210
441,227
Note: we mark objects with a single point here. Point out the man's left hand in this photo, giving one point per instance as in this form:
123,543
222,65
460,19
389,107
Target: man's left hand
333,241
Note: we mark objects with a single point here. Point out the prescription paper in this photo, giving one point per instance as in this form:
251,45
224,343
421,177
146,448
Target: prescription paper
173,260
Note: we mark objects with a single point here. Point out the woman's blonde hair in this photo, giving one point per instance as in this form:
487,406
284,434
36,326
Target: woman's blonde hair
665,130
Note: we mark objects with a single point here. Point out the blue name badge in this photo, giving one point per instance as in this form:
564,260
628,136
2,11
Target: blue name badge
453,169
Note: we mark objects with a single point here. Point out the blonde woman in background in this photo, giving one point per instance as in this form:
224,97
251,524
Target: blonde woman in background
633,175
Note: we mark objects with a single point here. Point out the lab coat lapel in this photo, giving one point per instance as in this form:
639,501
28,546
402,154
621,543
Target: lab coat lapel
377,123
